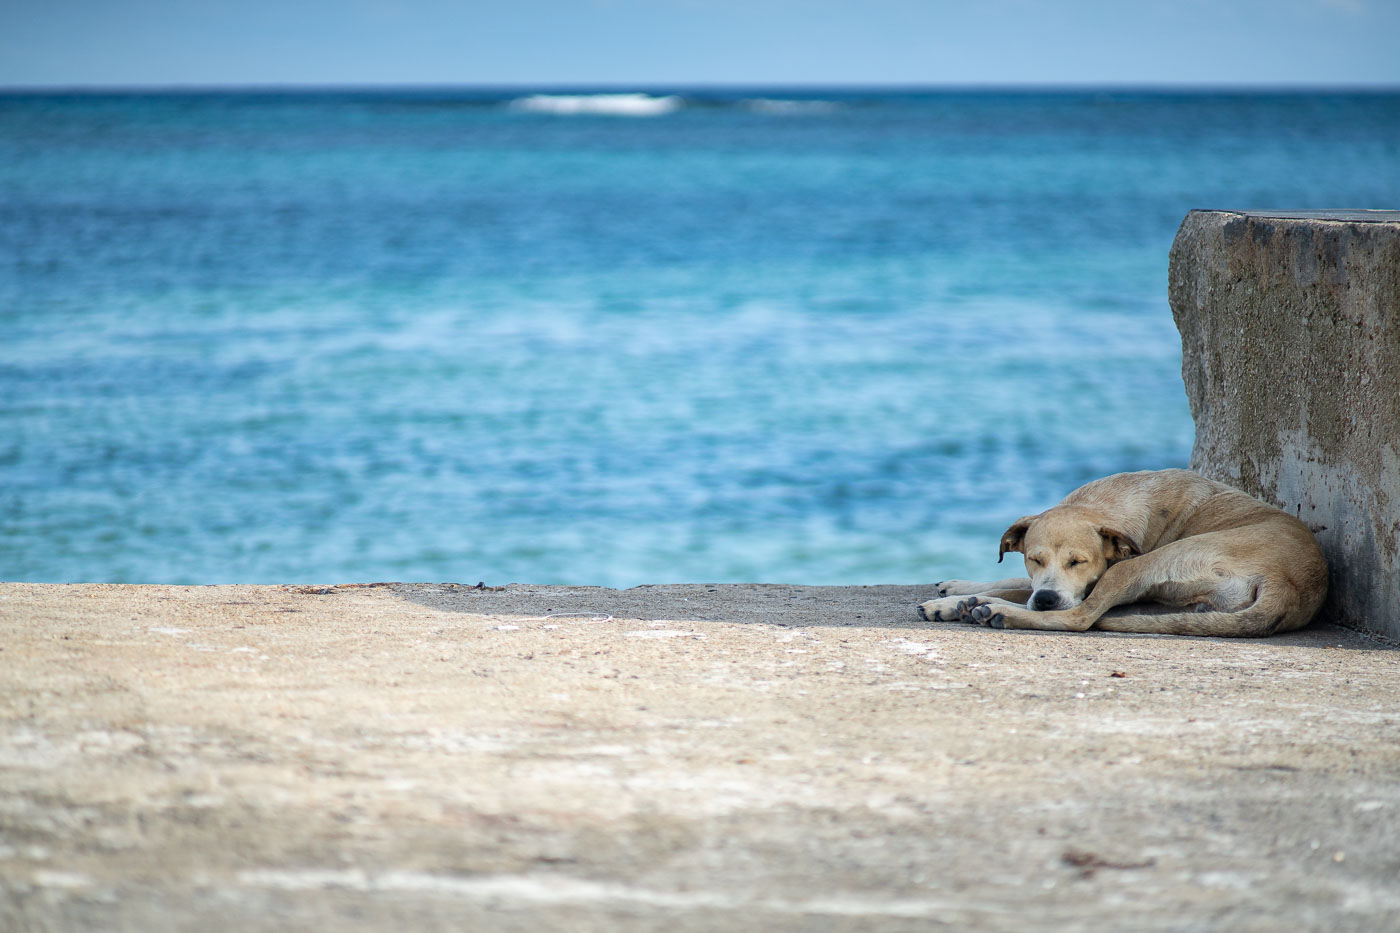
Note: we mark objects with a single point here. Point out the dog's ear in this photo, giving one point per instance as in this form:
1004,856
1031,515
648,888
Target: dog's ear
1015,536
1117,545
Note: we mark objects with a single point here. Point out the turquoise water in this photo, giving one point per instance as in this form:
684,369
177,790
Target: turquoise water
838,337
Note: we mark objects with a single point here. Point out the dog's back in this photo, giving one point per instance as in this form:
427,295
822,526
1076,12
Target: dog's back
1157,507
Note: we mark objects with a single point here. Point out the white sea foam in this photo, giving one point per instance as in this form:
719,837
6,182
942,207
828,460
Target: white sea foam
788,107
622,105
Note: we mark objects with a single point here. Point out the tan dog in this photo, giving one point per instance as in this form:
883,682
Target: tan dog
1164,552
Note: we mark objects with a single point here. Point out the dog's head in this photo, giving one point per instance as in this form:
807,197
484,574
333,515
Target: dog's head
1066,549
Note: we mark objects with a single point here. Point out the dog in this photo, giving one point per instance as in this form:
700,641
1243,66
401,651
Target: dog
1156,552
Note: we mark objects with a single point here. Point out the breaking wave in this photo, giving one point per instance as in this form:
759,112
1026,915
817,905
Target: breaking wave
787,107
622,105
638,104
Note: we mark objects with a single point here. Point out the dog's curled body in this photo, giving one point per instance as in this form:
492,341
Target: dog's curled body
1166,551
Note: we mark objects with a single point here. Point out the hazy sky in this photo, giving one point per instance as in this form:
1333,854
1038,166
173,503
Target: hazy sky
651,42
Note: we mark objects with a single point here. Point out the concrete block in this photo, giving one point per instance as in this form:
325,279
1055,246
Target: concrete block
1290,333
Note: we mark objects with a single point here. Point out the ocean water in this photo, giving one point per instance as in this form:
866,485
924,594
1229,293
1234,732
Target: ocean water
604,338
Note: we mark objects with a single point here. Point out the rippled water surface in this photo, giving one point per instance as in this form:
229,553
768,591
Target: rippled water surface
610,339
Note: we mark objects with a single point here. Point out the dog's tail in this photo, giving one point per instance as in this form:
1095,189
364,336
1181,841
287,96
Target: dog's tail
1275,609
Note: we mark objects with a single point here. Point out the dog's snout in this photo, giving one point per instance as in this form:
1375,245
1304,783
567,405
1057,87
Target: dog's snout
1041,600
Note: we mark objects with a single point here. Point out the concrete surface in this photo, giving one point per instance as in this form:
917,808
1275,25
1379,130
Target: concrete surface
423,757
1290,333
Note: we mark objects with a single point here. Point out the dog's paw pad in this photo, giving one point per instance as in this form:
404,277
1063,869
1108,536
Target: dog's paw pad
986,615
976,611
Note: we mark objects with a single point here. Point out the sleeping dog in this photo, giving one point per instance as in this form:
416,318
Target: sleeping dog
1163,552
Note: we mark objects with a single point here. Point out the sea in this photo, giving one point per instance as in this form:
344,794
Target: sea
609,336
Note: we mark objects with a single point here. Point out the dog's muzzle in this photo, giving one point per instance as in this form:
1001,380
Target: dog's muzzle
1045,600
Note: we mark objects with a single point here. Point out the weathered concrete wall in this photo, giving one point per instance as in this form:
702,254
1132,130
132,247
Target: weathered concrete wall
1290,333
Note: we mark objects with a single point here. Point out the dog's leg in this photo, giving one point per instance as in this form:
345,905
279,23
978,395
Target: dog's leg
971,588
1015,590
978,610
950,608
1276,610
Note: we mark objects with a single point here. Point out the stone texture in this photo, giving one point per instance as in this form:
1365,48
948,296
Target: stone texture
1290,332
687,758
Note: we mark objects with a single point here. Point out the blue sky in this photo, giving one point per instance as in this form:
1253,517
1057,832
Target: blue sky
666,42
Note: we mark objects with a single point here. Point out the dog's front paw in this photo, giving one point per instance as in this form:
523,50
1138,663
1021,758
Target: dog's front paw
957,587
976,611
940,610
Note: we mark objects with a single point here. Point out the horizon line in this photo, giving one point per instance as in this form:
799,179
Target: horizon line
717,86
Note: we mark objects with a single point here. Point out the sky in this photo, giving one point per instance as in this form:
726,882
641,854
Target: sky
657,43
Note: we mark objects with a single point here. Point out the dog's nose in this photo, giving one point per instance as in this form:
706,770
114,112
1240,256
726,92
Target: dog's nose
1042,600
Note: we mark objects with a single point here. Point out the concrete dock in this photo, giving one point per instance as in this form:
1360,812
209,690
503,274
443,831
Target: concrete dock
420,757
